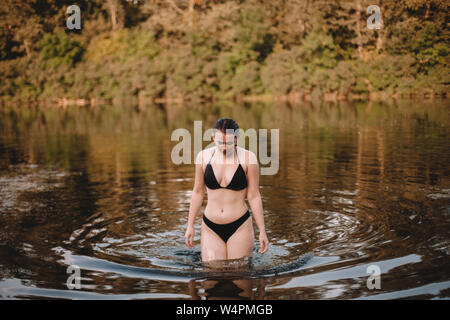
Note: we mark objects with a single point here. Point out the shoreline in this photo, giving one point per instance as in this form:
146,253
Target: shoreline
297,97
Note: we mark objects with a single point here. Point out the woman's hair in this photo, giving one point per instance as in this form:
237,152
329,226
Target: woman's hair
227,123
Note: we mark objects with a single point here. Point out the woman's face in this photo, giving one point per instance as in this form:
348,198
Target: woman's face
224,142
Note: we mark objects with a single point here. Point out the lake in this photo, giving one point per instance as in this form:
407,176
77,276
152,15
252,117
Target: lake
358,209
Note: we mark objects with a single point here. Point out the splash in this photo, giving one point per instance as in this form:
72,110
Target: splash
179,271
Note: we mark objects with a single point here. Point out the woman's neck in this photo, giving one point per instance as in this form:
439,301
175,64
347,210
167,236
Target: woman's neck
228,156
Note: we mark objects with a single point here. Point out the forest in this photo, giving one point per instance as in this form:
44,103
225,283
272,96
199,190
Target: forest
202,50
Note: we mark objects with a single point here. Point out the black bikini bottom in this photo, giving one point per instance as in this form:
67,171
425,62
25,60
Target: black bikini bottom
225,231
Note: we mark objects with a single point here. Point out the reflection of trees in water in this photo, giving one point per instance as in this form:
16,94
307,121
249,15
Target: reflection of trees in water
230,289
238,284
47,203
369,162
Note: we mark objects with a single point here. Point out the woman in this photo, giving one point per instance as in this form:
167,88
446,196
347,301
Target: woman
227,228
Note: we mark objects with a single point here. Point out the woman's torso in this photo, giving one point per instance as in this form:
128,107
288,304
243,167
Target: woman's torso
225,205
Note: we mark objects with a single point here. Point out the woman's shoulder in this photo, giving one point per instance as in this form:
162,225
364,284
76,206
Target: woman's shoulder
203,155
248,156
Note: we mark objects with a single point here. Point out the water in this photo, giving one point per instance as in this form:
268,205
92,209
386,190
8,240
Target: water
358,186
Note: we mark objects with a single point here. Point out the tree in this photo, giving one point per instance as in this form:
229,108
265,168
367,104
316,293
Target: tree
20,18
116,13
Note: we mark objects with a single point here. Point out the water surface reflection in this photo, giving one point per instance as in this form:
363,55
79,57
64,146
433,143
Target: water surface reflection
358,185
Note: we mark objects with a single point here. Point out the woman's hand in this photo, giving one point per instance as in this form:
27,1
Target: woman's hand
263,242
189,237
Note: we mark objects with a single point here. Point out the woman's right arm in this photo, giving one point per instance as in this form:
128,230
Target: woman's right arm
197,199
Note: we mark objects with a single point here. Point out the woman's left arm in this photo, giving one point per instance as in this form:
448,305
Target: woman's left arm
254,199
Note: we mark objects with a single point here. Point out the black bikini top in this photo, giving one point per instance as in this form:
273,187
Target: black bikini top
239,181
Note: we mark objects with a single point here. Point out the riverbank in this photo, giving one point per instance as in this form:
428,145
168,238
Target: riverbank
293,98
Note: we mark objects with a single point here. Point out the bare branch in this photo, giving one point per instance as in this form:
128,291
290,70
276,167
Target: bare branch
173,5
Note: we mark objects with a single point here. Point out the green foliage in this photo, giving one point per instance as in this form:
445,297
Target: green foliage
105,44
122,44
319,49
428,49
224,49
59,48
306,66
387,73
278,72
253,32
